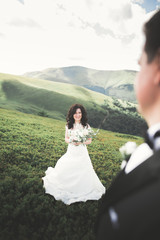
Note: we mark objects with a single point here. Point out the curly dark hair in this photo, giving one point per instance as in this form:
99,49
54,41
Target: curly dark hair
72,111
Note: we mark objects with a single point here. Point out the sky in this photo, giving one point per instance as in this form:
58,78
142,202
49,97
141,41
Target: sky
98,34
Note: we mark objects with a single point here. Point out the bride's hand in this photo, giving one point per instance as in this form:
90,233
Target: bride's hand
76,143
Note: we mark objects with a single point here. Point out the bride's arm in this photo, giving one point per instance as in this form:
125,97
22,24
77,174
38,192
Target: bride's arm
89,140
66,135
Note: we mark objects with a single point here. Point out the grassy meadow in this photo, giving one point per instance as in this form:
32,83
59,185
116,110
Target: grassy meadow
28,145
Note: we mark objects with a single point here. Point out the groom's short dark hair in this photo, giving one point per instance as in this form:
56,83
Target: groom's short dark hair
152,33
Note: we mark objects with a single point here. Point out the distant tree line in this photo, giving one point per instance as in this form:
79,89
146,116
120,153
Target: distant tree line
126,121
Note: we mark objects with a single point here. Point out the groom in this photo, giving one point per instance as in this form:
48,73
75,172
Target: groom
130,208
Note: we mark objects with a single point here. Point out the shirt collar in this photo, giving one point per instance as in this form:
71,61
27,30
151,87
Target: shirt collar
153,129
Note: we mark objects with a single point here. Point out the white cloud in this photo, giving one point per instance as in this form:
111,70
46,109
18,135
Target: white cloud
21,1
24,23
1,35
138,1
99,34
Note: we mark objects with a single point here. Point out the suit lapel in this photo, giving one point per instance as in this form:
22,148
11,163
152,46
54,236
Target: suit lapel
124,184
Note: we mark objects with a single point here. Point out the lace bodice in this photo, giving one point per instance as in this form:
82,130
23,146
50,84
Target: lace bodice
78,133
78,126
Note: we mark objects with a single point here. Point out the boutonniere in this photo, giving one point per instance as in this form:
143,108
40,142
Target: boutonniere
126,151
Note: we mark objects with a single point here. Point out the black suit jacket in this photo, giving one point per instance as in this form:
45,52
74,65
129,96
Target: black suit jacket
130,208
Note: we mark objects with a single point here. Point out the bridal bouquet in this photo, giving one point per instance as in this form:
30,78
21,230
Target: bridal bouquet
81,135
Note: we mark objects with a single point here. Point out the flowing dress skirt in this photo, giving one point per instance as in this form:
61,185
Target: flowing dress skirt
73,178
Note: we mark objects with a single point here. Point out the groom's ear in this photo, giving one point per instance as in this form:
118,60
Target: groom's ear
158,58
157,62
157,78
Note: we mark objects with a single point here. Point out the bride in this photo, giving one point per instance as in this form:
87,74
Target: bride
73,178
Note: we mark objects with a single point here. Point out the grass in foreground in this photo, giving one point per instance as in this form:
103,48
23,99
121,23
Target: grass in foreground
28,145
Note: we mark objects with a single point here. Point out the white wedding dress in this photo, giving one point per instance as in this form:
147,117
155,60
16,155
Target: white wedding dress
73,178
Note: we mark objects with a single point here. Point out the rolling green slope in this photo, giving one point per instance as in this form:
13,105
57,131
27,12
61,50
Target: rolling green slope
62,88
52,99
34,95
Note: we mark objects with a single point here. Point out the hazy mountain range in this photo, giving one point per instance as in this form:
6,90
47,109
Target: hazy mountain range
117,84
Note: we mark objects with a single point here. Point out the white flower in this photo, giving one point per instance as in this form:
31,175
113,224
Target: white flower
126,151
85,132
81,135
123,164
128,148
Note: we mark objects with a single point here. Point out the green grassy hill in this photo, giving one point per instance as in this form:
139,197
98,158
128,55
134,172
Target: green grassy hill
118,84
52,99
38,96
28,145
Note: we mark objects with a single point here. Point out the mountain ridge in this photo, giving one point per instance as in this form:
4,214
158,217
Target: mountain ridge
114,83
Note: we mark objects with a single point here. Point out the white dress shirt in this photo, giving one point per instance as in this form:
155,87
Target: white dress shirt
143,151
